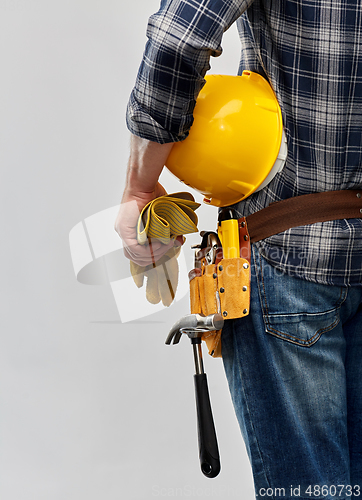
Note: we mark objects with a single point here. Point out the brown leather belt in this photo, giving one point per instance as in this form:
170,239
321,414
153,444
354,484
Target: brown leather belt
303,210
298,211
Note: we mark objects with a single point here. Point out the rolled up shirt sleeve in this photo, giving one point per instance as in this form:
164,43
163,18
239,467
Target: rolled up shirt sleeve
182,36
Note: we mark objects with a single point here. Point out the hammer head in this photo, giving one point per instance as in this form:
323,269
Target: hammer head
194,325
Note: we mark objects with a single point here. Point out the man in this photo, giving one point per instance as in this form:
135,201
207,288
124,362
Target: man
294,363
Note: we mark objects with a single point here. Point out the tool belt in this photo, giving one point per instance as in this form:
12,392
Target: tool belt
222,285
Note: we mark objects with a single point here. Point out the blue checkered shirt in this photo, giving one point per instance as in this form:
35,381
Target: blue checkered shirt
311,53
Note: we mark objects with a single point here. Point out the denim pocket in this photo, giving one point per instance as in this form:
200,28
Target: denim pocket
294,309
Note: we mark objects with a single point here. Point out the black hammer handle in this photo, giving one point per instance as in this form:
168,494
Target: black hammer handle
209,452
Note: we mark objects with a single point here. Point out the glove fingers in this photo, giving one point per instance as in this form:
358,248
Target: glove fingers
137,272
162,280
152,290
167,273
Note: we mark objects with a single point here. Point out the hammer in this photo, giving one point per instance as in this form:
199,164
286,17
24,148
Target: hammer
194,325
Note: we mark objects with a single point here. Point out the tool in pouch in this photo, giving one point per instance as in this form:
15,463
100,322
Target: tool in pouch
220,280
219,290
164,219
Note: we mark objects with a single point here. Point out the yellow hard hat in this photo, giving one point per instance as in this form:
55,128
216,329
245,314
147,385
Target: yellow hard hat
236,144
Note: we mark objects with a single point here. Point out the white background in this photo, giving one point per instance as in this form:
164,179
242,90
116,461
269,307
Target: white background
91,408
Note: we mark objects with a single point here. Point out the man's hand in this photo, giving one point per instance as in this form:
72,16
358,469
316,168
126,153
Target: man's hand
125,226
146,162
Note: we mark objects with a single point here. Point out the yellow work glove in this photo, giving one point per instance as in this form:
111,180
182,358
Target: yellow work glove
162,277
164,218
167,217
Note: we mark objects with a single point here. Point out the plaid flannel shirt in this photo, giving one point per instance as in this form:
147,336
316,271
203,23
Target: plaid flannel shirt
311,53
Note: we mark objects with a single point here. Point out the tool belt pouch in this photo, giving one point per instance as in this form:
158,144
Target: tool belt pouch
223,287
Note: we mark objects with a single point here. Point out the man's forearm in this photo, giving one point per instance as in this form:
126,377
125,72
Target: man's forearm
145,165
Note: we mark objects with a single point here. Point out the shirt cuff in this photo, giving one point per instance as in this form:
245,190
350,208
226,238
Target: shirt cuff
142,124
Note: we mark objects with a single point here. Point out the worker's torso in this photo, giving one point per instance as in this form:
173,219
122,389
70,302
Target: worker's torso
310,51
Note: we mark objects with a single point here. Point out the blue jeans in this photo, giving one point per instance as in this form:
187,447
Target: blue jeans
294,367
